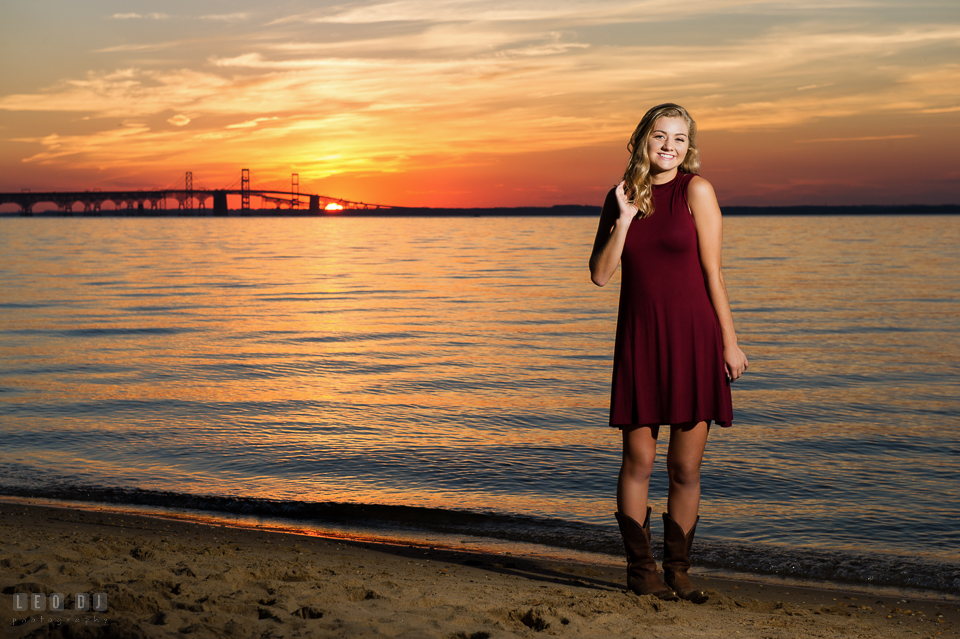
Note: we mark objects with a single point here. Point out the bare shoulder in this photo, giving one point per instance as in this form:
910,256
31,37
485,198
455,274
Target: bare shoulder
702,198
699,187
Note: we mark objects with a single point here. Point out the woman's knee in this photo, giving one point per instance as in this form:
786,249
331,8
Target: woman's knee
684,472
638,465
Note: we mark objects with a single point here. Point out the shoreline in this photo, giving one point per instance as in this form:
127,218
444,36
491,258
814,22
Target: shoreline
888,575
164,575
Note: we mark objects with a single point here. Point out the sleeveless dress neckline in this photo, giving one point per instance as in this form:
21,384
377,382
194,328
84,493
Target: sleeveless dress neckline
672,180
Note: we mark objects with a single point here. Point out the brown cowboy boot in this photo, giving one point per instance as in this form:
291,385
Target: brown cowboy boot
676,560
642,576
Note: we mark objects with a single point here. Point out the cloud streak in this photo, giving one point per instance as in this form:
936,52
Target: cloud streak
863,138
251,123
140,16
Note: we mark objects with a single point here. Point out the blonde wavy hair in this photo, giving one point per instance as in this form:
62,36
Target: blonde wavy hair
637,179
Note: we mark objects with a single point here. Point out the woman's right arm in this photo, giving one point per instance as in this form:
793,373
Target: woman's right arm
615,219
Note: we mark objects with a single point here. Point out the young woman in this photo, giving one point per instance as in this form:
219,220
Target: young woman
676,350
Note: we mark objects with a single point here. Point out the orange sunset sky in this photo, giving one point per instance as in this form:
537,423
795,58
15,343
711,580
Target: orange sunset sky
482,103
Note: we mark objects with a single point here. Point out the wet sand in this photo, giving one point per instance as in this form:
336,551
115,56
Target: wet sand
166,578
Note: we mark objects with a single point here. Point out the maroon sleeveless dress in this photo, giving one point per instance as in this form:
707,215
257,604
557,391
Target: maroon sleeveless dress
668,361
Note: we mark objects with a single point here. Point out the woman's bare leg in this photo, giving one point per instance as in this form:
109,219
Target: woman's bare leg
639,451
684,456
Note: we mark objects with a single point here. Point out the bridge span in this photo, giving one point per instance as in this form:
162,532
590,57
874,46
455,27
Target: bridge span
154,201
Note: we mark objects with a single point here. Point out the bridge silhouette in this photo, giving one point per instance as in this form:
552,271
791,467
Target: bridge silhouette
153,201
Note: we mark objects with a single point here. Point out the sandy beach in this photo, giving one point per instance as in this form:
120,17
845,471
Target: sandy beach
166,578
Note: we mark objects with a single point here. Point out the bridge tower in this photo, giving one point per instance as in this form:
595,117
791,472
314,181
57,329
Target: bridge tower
295,189
188,190
245,189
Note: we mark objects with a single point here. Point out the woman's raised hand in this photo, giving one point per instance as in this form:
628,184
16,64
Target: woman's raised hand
611,233
628,210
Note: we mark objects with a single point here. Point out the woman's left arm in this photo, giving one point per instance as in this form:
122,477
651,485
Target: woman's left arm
706,217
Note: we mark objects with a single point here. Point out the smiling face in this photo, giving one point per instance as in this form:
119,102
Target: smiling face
667,147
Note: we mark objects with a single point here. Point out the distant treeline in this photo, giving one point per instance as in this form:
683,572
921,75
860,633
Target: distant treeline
910,209
518,211
594,211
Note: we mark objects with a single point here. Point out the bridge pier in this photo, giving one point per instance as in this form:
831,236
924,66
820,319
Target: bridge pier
220,203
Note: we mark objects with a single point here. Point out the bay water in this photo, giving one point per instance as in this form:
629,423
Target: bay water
446,380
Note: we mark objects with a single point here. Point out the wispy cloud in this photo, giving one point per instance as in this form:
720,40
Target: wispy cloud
140,16
578,12
541,93
227,17
124,48
953,109
61,146
250,123
496,68
220,17
863,138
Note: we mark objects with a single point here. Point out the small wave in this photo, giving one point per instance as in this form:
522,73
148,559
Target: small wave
12,305
102,332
